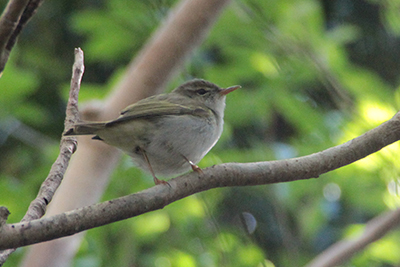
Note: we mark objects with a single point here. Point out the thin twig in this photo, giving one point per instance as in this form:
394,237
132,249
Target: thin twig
38,206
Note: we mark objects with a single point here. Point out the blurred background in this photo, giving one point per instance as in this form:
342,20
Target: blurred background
314,74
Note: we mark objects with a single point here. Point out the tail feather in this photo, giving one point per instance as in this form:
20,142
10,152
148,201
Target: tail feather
85,128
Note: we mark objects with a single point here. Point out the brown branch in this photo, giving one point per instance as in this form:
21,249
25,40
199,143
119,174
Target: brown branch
15,16
38,206
230,174
345,249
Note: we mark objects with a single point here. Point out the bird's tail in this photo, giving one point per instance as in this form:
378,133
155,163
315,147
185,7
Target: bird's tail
85,128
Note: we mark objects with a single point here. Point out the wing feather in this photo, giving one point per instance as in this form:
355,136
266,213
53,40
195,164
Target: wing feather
152,108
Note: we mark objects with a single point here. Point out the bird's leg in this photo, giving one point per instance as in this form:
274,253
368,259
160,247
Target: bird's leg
156,180
195,168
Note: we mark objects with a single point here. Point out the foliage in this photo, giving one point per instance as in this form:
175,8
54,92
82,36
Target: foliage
313,75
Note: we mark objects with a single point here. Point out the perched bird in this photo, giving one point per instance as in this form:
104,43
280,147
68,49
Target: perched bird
166,134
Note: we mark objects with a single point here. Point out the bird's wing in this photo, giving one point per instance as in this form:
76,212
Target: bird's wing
152,108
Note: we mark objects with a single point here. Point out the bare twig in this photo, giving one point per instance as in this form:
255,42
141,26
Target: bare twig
345,249
68,145
38,206
230,174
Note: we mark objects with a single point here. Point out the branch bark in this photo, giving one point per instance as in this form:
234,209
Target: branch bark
229,174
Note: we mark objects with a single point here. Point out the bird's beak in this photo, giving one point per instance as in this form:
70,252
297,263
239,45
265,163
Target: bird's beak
229,89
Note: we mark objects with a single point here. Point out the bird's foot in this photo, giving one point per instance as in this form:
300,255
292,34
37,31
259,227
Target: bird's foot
158,181
195,168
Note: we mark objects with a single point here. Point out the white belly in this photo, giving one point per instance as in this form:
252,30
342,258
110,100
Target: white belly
176,138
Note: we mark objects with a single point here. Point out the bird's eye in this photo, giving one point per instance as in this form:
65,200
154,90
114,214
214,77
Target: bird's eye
201,91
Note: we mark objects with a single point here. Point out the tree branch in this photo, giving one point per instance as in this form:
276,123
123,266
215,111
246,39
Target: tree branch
38,206
9,20
345,249
229,174
15,16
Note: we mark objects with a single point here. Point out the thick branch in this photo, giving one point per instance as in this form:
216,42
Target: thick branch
230,174
38,206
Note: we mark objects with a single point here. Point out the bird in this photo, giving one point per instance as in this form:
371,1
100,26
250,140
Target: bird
166,134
